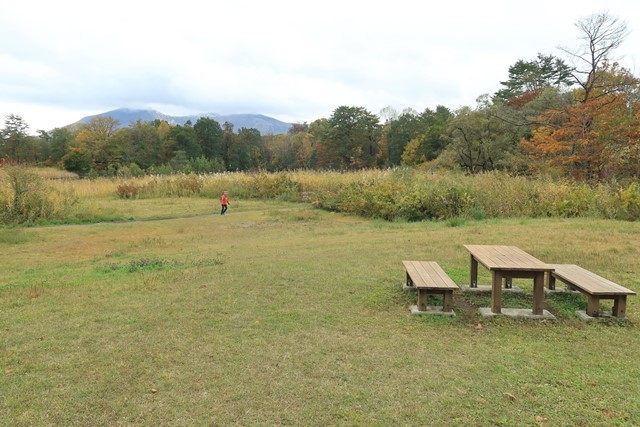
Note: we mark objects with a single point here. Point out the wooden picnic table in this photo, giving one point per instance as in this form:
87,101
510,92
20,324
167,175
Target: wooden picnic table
508,262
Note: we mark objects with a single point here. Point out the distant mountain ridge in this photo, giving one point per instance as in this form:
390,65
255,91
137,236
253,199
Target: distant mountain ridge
127,116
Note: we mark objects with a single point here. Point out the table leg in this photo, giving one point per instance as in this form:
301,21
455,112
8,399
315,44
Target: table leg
496,292
551,281
422,299
474,273
538,293
508,283
409,281
447,301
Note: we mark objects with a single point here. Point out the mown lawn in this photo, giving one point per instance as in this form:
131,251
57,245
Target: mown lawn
281,314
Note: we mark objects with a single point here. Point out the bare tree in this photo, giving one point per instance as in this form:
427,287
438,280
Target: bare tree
388,114
600,34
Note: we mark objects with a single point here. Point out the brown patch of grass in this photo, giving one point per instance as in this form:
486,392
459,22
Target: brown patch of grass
34,292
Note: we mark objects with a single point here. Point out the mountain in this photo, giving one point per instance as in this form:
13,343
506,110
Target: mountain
126,116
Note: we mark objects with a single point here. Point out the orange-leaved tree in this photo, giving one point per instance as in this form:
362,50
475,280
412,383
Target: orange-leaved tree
586,139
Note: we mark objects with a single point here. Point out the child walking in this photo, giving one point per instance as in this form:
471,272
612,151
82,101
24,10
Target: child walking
224,202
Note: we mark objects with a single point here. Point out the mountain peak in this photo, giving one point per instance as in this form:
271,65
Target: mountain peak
128,116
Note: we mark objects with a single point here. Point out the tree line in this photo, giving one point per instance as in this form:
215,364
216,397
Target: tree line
575,115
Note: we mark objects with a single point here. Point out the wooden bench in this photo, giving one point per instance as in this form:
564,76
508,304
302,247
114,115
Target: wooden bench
428,278
593,286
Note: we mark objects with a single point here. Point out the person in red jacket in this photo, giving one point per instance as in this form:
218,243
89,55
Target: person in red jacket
224,202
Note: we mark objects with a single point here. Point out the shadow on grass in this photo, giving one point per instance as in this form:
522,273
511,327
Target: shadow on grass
562,305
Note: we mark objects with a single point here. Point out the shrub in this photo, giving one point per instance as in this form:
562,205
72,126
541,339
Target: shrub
203,165
77,161
123,172
136,170
160,170
175,186
376,199
628,201
130,171
435,202
128,190
478,213
26,198
273,185
187,185
576,202
113,169
180,162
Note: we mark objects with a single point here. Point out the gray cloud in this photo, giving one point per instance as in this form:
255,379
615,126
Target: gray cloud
67,58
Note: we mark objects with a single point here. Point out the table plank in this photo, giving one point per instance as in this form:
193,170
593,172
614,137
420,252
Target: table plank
499,257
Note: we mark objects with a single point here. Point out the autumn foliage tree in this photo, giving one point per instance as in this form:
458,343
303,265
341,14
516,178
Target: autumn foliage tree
592,140
596,136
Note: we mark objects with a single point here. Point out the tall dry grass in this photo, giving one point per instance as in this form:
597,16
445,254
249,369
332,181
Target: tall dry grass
27,197
397,193
390,194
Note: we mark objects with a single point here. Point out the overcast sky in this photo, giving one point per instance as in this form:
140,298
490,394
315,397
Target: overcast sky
293,60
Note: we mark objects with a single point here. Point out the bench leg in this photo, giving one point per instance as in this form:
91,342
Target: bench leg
474,273
619,306
593,304
447,301
422,299
551,281
409,281
508,282
538,293
496,293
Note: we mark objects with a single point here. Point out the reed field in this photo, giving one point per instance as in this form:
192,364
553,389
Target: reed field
401,194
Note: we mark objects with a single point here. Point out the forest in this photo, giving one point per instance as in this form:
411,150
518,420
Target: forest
574,115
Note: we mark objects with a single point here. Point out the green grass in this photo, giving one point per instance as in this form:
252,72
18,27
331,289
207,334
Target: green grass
281,314
13,236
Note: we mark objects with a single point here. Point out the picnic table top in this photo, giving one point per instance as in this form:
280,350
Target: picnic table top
497,257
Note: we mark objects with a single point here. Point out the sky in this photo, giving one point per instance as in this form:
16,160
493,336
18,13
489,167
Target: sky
293,60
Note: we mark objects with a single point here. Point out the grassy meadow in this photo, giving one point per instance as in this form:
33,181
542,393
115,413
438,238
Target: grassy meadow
279,313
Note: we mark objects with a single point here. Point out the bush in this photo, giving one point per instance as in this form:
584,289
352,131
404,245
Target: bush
161,170
273,186
576,202
26,198
435,202
128,190
131,171
180,162
204,165
628,201
175,186
77,161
